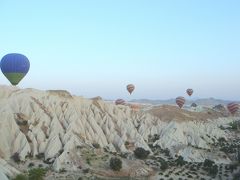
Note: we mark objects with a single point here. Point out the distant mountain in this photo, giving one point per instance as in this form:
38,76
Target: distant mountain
204,101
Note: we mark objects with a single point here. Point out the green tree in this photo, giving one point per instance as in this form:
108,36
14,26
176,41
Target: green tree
213,170
116,164
164,165
208,163
141,153
180,161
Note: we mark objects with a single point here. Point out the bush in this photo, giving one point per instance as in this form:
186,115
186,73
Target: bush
62,170
141,153
236,176
234,125
238,154
127,143
166,152
88,161
164,165
222,139
233,167
85,171
156,137
115,164
208,163
37,174
96,145
31,165
16,158
180,161
213,170
40,156
21,177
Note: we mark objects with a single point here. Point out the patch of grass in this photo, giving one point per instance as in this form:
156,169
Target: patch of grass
37,174
21,177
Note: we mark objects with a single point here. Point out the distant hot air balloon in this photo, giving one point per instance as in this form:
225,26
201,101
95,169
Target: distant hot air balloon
233,107
180,101
130,88
120,102
15,66
190,92
135,107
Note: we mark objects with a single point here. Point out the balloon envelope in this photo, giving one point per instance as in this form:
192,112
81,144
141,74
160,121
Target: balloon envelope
135,107
15,66
130,88
180,101
190,92
120,102
233,107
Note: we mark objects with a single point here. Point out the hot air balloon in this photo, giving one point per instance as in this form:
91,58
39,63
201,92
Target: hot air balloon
120,102
135,107
180,101
130,88
233,107
15,66
190,92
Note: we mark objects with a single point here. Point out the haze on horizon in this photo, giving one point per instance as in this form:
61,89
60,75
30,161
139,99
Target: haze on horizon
94,48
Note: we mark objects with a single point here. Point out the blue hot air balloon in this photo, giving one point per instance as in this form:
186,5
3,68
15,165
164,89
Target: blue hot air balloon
15,66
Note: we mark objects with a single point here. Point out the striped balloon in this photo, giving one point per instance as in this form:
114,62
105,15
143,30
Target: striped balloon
190,92
233,107
130,88
135,107
180,101
120,102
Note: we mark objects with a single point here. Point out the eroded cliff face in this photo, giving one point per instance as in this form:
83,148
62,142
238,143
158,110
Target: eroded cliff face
54,123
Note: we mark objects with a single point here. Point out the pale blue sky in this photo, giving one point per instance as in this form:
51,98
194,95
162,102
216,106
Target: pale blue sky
96,47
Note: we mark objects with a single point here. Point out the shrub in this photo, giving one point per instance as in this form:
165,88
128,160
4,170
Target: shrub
37,174
236,176
31,165
40,156
208,163
156,137
88,161
166,152
180,161
164,165
96,145
127,143
213,170
124,155
238,154
222,139
85,171
233,167
141,153
21,177
115,164
62,170
234,125
16,158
